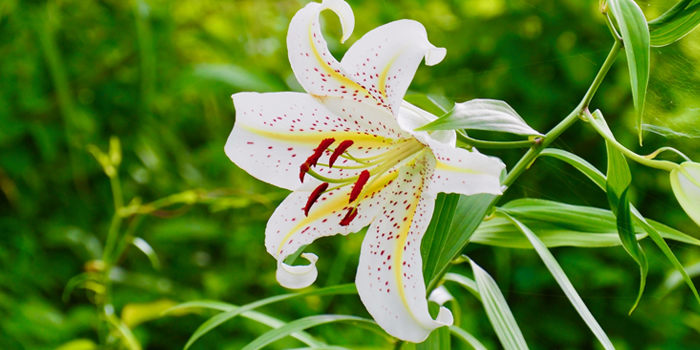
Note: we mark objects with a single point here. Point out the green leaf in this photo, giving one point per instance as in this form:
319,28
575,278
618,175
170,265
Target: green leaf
497,310
468,338
635,36
675,24
629,242
231,311
559,224
563,281
251,315
429,104
238,77
304,323
76,281
434,241
144,247
619,177
128,338
617,186
654,234
482,114
577,162
468,214
78,344
466,282
650,228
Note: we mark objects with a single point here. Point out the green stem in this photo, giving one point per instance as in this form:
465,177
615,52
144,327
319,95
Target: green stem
553,134
463,139
664,149
596,120
399,344
116,192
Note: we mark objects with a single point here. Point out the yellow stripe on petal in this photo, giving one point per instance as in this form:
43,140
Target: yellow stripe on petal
447,167
382,78
314,137
348,83
401,243
338,203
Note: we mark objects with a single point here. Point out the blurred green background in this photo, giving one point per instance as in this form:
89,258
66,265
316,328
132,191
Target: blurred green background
158,74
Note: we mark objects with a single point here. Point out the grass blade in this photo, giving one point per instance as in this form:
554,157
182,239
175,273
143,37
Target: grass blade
231,311
563,281
497,310
468,338
302,324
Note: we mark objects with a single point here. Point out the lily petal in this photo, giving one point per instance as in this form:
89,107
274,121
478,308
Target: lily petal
275,133
411,117
389,275
289,228
314,66
385,60
465,172
299,276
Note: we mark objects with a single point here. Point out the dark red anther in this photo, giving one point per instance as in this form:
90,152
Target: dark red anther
352,213
303,169
318,152
314,197
339,150
361,181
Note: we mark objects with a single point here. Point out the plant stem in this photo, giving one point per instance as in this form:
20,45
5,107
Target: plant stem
596,119
464,139
529,157
567,122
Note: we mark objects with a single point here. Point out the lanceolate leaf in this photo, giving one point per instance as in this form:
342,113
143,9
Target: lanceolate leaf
617,186
655,235
231,311
563,281
561,224
427,103
470,339
482,114
629,241
635,36
676,23
304,323
468,214
437,234
497,310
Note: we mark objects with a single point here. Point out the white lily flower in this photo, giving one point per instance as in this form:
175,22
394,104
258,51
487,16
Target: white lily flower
685,182
351,141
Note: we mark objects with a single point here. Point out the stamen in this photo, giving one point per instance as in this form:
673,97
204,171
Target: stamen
352,213
314,197
318,152
303,169
338,151
361,181
313,159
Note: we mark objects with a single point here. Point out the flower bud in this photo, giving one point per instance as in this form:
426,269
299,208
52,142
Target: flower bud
685,181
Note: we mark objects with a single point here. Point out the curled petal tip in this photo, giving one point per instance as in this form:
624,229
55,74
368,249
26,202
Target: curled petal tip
435,55
299,276
444,317
440,296
344,11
